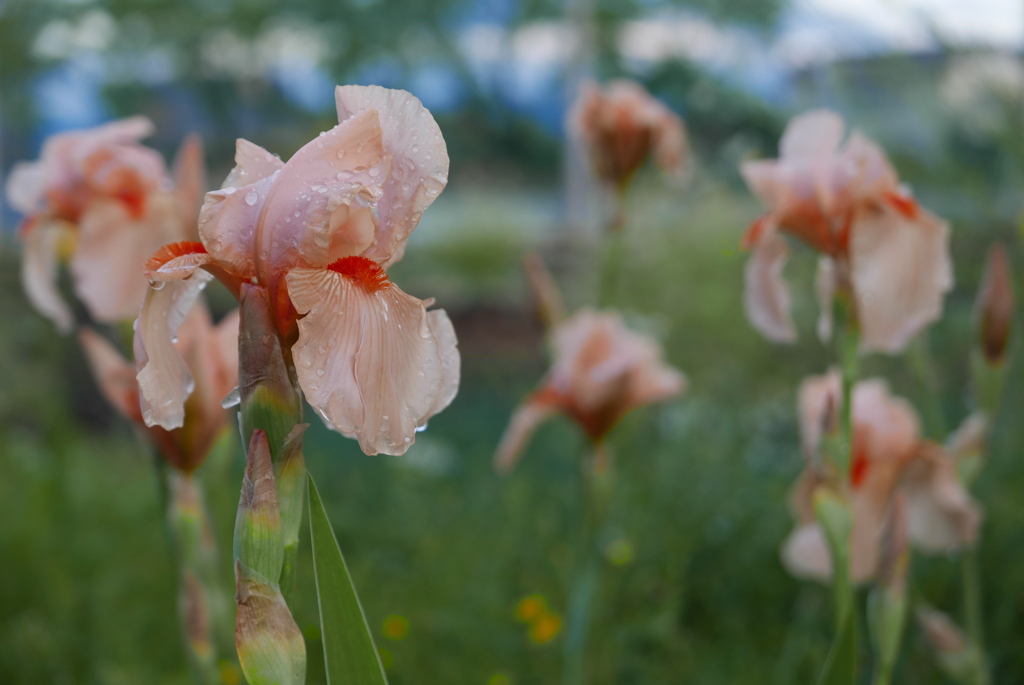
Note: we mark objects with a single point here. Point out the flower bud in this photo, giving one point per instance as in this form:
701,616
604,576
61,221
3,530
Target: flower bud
994,306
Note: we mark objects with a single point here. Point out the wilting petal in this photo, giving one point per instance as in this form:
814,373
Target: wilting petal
805,553
165,381
817,133
347,163
942,516
900,271
525,420
766,296
114,374
419,170
108,264
252,164
39,273
368,362
190,182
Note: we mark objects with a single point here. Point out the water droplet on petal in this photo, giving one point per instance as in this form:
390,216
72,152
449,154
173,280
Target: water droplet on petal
233,399
251,198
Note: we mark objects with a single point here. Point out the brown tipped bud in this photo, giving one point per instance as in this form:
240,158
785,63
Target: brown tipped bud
545,290
994,307
258,542
270,647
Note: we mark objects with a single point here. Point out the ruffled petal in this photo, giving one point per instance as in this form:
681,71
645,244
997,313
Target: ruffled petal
252,164
114,374
344,165
766,297
39,273
108,264
900,270
419,161
443,331
814,134
521,427
165,381
367,361
227,225
942,515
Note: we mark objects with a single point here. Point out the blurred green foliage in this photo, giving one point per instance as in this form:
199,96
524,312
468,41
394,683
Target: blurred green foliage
437,539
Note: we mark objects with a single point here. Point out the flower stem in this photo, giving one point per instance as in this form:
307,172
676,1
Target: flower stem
270,646
972,614
199,599
596,481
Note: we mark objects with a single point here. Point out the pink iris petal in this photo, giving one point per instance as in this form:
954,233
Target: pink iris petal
39,272
114,374
521,427
252,164
345,164
766,296
112,247
369,361
165,381
419,167
900,270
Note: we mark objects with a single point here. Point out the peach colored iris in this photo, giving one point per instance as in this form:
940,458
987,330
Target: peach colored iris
876,243
889,456
211,354
621,125
601,372
318,233
105,202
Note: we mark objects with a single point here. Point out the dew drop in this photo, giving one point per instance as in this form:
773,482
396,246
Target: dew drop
320,372
233,399
374,172
251,198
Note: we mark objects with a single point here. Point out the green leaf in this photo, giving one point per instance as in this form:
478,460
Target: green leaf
349,653
841,664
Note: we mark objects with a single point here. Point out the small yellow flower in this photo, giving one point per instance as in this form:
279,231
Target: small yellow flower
530,608
545,628
387,659
396,627
499,678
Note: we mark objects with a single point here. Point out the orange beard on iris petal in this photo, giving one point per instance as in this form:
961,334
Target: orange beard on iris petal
366,273
172,251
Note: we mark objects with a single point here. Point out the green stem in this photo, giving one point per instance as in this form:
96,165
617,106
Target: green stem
972,614
199,600
596,491
610,273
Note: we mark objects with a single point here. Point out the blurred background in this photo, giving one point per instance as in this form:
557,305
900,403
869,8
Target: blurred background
441,549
